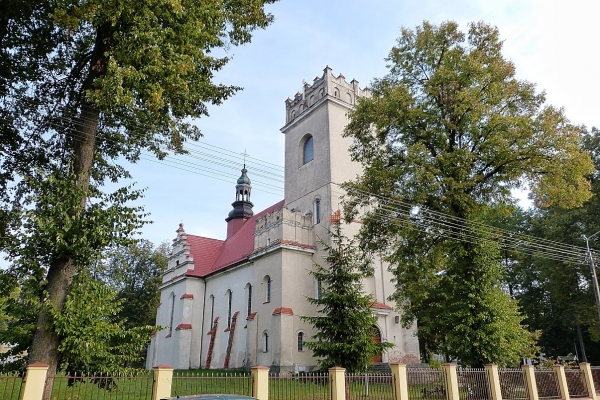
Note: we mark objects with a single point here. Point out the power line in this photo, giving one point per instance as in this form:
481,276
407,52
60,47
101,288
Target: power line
387,210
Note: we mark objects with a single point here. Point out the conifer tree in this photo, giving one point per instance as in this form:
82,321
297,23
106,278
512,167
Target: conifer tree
345,324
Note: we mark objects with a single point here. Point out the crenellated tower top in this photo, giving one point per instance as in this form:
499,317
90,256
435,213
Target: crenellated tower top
325,87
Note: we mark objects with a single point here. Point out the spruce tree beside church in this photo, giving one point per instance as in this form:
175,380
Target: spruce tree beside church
345,322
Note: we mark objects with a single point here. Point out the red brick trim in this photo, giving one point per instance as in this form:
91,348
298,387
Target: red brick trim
38,364
183,327
380,306
168,336
251,316
283,310
187,296
227,329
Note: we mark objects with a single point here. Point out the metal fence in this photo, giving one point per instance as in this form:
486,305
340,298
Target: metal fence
512,384
10,386
473,384
133,386
547,384
304,386
426,384
576,383
596,378
206,382
369,386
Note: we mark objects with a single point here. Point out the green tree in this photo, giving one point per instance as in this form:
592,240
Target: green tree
134,272
345,324
556,297
93,337
451,130
84,86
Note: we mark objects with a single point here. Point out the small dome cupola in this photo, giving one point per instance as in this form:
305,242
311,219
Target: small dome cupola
242,207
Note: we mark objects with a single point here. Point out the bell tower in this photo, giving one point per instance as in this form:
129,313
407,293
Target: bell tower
242,206
316,153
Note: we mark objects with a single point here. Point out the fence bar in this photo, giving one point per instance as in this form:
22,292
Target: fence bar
35,380
338,383
451,381
530,382
399,382
163,377
559,370
589,380
260,382
494,379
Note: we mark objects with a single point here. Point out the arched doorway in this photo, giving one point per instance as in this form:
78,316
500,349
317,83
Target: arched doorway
377,339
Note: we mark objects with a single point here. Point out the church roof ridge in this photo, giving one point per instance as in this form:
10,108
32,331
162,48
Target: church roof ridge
213,255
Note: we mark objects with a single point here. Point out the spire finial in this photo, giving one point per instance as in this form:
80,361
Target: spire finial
244,154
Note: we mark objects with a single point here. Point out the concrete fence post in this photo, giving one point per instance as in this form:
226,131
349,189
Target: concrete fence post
589,379
451,381
530,382
260,382
561,378
163,379
34,382
338,383
399,382
494,377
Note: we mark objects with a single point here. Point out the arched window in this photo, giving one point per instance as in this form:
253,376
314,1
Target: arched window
317,211
318,289
308,153
229,298
267,289
212,311
336,92
265,342
171,312
300,341
249,299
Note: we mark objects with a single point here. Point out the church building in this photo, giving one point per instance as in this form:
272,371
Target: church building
238,302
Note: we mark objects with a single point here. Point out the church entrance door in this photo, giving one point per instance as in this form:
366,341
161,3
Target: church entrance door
376,339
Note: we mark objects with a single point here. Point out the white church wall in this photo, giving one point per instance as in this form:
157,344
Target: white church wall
269,265
219,285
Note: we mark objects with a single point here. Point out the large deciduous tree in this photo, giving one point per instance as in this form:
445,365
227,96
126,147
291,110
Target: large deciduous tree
84,86
451,130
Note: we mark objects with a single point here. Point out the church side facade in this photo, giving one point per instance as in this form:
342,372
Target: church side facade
238,302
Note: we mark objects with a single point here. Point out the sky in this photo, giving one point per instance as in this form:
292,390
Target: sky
554,44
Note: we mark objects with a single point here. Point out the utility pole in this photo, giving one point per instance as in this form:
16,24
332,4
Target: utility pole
593,271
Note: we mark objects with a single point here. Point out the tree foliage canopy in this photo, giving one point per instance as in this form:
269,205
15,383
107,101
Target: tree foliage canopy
84,86
450,129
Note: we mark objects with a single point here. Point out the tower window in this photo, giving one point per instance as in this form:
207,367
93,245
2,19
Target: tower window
318,290
268,289
317,212
300,341
308,150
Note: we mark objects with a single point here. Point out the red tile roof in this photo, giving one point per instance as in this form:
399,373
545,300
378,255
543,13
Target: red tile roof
212,255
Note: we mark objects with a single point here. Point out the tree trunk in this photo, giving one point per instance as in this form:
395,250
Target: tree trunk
62,269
